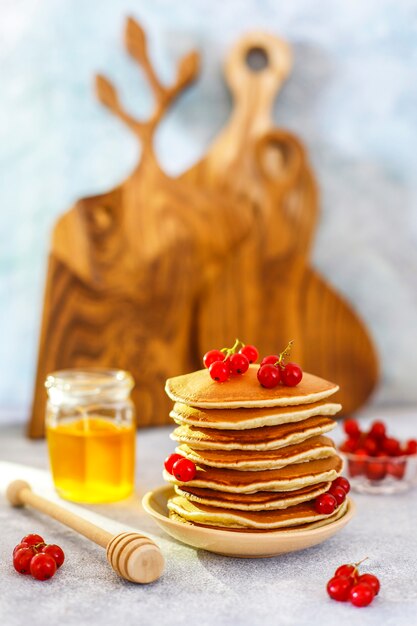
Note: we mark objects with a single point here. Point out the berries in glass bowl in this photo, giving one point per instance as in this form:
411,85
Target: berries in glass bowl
375,461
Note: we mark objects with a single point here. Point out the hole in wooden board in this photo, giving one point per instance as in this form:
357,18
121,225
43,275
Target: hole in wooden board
257,59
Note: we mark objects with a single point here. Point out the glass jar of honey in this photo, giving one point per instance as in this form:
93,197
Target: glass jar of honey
90,427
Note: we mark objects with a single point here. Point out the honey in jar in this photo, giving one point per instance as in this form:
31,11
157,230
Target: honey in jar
90,430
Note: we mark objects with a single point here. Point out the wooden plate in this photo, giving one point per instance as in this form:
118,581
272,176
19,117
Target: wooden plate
244,544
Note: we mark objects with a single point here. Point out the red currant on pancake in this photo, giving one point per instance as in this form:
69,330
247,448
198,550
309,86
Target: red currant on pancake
342,482
351,428
22,559
372,581
291,375
339,588
32,540
378,430
338,493
212,356
42,566
361,594
269,376
55,552
238,363
411,446
184,470
219,371
325,504
250,352
271,359
170,460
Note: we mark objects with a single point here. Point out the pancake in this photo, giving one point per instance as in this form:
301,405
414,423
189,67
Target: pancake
259,501
265,438
287,478
304,513
242,419
313,448
199,390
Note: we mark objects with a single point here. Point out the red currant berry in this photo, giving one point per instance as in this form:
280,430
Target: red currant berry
338,493
391,446
184,470
291,375
239,363
269,376
32,540
357,464
325,504
361,594
211,357
376,470
170,460
370,446
250,352
22,559
42,566
351,428
411,447
378,430
55,552
372,581
339,588
219,371
348,569
350,445
271,360
19,546
396,468
342,482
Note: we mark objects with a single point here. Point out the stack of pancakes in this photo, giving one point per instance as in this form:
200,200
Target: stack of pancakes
262,456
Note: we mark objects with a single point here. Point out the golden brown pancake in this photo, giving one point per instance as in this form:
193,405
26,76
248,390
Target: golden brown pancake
242,419
304,513
265,438
287,478
259,501
198,389
313,448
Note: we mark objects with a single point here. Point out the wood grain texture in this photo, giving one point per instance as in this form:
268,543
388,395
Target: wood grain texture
270,291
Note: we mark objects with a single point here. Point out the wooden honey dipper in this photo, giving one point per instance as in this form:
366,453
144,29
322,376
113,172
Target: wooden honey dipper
133,556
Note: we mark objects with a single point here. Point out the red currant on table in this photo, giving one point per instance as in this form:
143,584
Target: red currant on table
219,371
351,428
269,376
184,470
32,540
361,594
291,375
348,569
42,566
22,559
170,460
55,552
372,581
338,493
271,359
23,544
339,588
250,352
238,363
212,356
325,504
342,482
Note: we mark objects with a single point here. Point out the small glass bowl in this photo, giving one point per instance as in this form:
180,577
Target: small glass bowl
380,475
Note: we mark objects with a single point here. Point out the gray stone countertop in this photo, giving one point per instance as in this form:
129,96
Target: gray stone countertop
203,588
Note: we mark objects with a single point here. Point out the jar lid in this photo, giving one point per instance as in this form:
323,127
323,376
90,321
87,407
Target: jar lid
88,383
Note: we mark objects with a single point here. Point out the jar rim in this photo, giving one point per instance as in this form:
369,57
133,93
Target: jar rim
89,380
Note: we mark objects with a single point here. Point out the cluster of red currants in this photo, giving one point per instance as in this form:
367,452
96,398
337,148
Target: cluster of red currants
374,453
328,502
273,370
183,469
348,584
33,556
224,363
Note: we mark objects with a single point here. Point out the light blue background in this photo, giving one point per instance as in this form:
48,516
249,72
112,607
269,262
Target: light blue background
352,98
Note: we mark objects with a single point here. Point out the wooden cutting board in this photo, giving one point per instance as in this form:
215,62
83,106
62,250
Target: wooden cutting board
269,290
126,267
